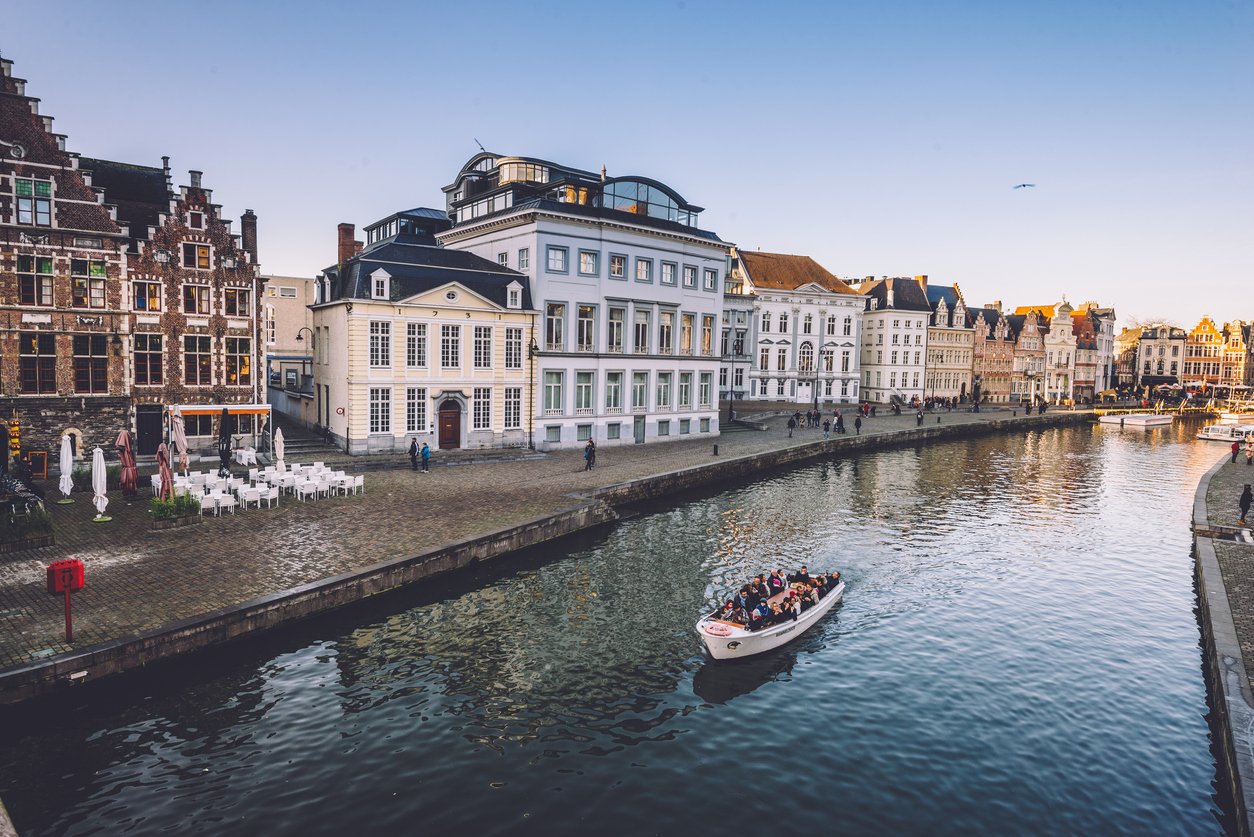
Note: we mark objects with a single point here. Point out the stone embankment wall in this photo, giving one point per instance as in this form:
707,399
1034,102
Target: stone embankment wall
214,628
1231,701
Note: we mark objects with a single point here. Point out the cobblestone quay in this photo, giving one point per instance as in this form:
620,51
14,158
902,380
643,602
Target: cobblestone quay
152,595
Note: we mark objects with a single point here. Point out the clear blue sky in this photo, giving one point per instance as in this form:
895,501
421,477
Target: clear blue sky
878,137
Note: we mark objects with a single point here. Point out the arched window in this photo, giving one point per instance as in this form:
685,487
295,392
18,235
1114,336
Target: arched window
807,357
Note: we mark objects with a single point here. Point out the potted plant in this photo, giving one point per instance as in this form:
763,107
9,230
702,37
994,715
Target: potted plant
26,531
180,510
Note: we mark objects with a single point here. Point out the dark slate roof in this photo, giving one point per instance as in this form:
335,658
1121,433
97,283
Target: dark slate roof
601,212
139,192
417,267
426,212
1015,322
908,294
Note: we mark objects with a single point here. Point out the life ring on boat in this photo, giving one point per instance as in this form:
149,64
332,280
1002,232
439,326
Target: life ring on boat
716,629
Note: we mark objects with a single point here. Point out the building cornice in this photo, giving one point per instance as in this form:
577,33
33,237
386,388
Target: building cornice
515,219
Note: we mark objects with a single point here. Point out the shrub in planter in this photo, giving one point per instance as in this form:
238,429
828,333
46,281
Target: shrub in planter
182,505
37,524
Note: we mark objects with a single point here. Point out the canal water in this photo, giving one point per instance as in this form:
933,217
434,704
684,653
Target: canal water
1017,653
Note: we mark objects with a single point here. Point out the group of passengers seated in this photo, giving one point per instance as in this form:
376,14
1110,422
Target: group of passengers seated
770,599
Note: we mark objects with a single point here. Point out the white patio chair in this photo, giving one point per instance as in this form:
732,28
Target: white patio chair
226,501
271,496
253,474
359,484
208,505
253,496
305,488
319,465
324,486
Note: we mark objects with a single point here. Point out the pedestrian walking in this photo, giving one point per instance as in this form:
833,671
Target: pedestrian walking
1236,448
840,424
857,425
413,454
426,458
1244,503
918,419
792,425
827,429
589,455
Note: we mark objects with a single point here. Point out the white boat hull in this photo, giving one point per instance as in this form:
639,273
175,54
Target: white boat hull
1138,420
1227,433
724,641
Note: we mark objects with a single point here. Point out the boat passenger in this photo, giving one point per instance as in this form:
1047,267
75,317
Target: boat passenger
775,582
761,588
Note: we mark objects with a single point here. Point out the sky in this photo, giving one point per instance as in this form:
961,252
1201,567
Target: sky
880,138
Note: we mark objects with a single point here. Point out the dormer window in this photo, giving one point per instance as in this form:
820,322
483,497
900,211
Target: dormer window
379,284
514,295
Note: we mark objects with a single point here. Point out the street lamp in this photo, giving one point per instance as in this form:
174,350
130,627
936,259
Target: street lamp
533,349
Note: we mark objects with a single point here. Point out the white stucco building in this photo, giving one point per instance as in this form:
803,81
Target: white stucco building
894,338
629,289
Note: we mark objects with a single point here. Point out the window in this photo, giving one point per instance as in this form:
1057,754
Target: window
415,345
380,344
780,389
685,390
380,410
685,427
148,363
557,259
483,347
613,431
704,393
781,359
664,390
147,295
764,359
669,273
589,263
554,321
38,363
664,428
553,393
482,409
613,392
35,280
644,270
197,360
807,324
34,201
642,332
513,348
287,293
502,259
766,321
614,339
196,220
828,362
515,298
239,363
196,256
639,391
195,299
806,357
783,322
91,363
513,408
844,361
450,346
239,302
618,266
707,334
711,279
416,410
586,328
685,334
524,258
666,331
88,282
583,394
739,377
705,425
848,326
690,276
553,433
378,285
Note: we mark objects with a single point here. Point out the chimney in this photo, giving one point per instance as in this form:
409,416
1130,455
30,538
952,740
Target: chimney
345,249
248,233
995,305
888,303
195,175
358,247
922,280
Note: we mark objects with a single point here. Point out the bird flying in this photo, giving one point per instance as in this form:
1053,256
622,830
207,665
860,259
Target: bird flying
1026,186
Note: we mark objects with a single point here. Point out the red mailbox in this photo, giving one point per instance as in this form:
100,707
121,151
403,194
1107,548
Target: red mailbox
65,575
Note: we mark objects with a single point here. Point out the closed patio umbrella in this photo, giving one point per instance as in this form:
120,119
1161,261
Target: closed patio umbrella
66,482
99,484
278,450
224,443
178,435
163,468
130,476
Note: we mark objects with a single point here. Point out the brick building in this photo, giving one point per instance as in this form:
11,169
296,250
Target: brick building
992,353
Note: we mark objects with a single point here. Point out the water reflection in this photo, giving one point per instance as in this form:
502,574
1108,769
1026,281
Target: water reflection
721,682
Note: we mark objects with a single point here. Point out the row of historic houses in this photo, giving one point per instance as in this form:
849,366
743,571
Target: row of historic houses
120,293
1208,356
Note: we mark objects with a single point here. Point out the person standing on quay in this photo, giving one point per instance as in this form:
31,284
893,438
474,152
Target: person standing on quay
1244,503
857,425
792,425
589,455
1236,448
413,454
827,429
918,419
426,458
1249,450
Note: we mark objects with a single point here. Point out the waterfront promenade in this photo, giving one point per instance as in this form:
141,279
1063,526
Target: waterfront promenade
139,580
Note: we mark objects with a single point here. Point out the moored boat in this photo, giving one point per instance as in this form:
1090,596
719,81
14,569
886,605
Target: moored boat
1226,433
728,640
1138,419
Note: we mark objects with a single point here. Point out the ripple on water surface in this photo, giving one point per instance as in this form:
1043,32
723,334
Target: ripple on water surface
1017,653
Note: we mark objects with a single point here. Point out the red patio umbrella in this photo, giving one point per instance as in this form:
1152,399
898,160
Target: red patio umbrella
163,467
130,476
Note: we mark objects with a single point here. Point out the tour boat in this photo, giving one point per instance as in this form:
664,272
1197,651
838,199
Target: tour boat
729,641
1138,420
1226,433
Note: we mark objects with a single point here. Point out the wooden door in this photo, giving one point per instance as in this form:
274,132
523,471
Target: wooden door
148,430
450,425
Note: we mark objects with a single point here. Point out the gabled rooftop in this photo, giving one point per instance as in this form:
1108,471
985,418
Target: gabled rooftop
780,271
